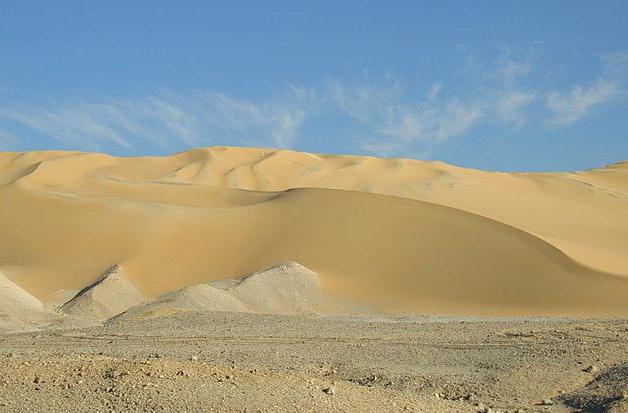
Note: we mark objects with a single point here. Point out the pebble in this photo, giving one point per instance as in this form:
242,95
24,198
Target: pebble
194,358
547,402
329,390
592,369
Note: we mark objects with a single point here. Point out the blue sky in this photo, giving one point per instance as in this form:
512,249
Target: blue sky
500,85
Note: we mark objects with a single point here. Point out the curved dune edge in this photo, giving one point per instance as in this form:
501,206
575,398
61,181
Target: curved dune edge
582,213
401,255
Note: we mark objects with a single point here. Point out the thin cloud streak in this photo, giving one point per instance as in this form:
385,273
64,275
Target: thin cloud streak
571,106
381,118
192,119
396,122
511,106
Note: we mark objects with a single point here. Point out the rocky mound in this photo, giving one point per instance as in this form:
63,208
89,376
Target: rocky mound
19,309
286,288
109,296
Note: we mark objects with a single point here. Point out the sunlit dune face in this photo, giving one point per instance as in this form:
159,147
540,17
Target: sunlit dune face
402,235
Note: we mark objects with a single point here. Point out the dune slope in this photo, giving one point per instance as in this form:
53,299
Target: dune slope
483,243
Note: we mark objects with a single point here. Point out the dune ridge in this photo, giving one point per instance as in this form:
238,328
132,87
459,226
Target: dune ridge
407,235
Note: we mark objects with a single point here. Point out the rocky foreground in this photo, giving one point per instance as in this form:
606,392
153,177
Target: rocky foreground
242,362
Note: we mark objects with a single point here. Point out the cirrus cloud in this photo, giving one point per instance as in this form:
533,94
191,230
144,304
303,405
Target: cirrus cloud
384,118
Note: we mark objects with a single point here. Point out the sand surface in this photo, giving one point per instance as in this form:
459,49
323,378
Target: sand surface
398,235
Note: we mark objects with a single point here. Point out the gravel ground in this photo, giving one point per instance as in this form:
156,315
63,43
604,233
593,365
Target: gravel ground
229,362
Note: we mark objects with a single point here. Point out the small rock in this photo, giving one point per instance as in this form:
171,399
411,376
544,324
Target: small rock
329,390
194,358
591,369
547,402
37,380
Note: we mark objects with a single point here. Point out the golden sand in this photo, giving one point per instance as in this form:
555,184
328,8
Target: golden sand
422,237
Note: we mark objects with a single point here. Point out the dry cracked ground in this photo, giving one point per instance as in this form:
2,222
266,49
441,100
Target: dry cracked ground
231,362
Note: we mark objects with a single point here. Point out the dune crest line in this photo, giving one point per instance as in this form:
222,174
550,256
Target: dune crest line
399,234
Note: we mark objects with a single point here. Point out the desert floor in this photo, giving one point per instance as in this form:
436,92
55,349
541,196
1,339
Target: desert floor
242,362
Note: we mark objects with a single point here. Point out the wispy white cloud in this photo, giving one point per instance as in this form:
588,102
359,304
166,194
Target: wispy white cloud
397,121
192,119
277,121
72,125
512,70
569,106
428,122
512,105
382,117
572,105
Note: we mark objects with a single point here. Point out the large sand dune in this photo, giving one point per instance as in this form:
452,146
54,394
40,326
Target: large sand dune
403,235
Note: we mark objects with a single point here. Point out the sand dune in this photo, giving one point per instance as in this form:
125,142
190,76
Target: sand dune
423,237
